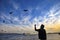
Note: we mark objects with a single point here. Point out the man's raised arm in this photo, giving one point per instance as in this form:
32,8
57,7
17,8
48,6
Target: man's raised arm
35,28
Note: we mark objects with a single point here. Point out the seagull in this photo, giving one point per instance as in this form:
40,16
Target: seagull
3,21
10,12
25,10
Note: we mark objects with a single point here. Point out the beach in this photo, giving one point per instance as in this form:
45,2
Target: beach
27,37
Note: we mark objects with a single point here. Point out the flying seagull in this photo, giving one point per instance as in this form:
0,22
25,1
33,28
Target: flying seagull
25,10
3,21
10,12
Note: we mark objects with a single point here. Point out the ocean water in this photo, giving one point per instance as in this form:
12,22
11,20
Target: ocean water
27,37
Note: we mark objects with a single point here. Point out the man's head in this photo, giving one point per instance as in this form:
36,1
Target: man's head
42,26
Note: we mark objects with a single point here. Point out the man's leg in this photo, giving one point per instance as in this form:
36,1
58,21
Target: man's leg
42,39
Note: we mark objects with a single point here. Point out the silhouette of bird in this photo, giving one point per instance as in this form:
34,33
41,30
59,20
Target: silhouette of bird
3,21
25,10
10,12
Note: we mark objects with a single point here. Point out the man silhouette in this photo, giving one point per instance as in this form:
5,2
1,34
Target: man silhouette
41,32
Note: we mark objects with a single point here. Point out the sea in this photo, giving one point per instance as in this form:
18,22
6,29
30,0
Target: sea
14,36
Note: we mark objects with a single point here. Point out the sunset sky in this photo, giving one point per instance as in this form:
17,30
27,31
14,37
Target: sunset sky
18,16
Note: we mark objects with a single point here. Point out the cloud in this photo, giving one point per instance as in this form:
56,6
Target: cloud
10,28
16,6
15,19
52,17
8,19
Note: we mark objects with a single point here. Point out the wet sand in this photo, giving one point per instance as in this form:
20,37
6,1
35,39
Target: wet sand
27,37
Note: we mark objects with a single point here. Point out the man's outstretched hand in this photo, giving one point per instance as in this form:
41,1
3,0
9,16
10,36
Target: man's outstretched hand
35,26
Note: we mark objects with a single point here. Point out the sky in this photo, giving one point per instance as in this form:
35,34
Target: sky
17,16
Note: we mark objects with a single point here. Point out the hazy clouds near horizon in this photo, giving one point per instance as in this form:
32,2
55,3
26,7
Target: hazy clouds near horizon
20,16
